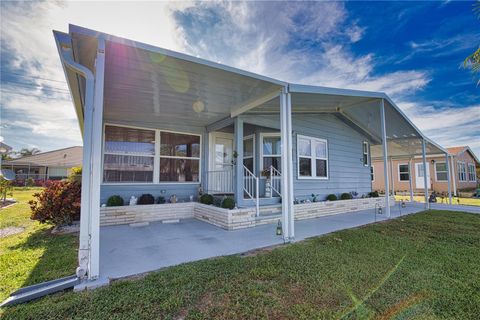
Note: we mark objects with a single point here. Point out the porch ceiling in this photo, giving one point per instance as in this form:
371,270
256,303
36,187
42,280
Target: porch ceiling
360,110
154,87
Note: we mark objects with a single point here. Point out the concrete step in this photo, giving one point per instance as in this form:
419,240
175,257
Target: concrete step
269,210
39,290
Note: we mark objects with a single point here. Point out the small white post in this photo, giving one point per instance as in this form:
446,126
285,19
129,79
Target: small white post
392,176
449,178
425,178
454,176
284,162
410,179
385,157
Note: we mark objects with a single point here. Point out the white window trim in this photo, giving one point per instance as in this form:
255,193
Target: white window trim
462,164
156,156
471,165
365,153
372,173
435,170
398,171
262,136
251,136
313,158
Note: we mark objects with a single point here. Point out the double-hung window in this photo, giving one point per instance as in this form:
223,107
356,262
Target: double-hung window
472,177
403,172
312,156
366,153
271,151
249,152
179,157
128,154
462,171
441,171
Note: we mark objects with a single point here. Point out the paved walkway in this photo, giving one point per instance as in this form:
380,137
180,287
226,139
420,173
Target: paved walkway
126,250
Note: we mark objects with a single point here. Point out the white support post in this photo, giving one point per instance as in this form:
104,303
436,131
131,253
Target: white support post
291,212
449,179
239,173
392,177
454,176
284,164
96,161
385,157
425,178
410,179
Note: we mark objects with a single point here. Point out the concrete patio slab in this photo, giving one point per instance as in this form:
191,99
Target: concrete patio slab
126,251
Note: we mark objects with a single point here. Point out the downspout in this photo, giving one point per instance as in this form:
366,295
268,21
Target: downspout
85,218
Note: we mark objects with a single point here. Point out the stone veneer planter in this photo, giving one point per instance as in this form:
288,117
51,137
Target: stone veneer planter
224,218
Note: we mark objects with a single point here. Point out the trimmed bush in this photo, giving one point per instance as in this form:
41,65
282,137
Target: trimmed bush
206,199
58,203
331,197
115,201
228,203
373,194
146,199
346,196
161,200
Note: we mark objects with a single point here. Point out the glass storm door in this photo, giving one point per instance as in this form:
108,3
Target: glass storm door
419,172
221,174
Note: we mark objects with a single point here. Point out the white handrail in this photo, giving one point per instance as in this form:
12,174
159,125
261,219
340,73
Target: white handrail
220,181
250,187
275,180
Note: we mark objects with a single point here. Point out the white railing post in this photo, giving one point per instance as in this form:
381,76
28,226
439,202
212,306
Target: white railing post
385,158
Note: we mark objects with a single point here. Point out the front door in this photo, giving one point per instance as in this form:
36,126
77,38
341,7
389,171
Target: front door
419,180
221,165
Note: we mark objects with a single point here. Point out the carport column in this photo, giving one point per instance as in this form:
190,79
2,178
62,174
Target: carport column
410,178
454,177
425,178
291,210
449,179
385,157
96,160
238,136
392,176
284,164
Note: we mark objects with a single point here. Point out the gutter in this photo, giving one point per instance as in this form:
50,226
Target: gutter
64,46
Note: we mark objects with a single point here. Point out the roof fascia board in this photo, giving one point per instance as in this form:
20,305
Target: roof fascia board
64,39
170,53
471,153
300,88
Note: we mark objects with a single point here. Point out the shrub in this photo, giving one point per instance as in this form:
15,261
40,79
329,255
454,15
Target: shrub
331,197
161,200
30,182
115,201
346,196
373,194
146,199
228,203
206,199
75,174
58,203
6,187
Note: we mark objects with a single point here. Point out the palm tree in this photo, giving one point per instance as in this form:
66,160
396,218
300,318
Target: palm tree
473,60
28,152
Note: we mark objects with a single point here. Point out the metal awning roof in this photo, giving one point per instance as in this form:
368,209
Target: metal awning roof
154,87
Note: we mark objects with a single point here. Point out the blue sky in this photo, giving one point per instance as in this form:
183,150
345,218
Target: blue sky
413,51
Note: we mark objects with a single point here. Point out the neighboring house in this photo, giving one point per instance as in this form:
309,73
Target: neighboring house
50,165
165,123
462,162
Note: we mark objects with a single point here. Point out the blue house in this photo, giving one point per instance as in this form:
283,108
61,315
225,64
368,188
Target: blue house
175,126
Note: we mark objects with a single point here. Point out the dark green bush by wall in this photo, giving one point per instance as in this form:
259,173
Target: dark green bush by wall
346,196
206,199
331,197
115,201
228,203
146,199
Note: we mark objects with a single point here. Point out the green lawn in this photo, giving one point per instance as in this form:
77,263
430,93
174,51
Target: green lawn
424,266
33,255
